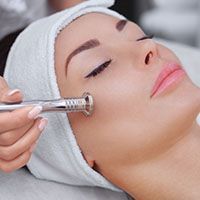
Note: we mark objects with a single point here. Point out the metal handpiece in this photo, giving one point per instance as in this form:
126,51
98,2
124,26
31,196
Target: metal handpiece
83,104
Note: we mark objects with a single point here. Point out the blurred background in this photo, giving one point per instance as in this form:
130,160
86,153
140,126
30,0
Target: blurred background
176,20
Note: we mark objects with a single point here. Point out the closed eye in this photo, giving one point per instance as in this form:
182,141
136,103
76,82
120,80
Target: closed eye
145,37
99,69
103,66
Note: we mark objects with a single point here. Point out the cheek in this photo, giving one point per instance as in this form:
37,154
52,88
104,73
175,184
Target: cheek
120,112
119,104
119,96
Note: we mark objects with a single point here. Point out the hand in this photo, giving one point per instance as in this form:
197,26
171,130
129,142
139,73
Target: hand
19,130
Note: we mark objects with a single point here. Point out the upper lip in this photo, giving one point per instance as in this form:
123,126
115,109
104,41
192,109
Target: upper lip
165,72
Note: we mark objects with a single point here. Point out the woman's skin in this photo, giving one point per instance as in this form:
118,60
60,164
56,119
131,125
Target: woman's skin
149,147
63,4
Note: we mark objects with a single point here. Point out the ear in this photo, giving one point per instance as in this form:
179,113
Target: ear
89,160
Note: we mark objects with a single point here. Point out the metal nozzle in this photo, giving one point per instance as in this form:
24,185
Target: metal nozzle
83,104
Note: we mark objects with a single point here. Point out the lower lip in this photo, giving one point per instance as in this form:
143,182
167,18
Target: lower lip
169,81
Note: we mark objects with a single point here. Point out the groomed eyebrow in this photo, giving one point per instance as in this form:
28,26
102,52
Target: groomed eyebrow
121,25
90,44
93,43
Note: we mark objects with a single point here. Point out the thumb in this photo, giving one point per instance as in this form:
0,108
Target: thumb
8,95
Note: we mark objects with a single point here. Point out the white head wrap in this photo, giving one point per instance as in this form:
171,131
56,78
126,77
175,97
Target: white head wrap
30,67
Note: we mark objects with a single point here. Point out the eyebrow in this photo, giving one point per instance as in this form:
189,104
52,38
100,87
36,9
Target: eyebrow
121,24
90,44
93,43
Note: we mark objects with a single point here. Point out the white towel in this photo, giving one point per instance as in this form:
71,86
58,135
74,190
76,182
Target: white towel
30,67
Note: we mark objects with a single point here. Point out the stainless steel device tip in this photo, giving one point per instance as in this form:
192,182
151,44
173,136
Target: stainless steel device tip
84,104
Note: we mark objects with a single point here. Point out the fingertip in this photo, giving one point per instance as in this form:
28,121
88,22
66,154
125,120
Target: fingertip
43,123
13,92
13,96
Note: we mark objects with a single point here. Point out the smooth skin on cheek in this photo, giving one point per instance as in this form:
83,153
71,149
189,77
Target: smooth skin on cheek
127,126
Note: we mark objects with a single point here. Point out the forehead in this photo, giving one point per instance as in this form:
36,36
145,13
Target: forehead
98,25
87,26
93,25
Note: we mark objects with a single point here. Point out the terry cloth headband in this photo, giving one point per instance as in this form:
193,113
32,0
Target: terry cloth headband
30,67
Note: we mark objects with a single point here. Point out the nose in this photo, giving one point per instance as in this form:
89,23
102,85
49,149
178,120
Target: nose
148,52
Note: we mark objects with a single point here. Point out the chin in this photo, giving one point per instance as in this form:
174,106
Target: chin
182,105
190,91
188,100
184,91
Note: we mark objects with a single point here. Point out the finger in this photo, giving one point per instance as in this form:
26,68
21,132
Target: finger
22,145
11,96
3,86
18,118
20,161
11,137
8,95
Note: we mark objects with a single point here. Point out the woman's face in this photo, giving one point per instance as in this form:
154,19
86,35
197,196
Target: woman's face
128,126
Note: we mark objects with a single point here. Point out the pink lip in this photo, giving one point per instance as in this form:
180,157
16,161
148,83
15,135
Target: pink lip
171,73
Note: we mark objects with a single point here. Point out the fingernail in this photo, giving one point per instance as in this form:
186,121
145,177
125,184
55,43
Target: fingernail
34,113
33,146
12,92
43,123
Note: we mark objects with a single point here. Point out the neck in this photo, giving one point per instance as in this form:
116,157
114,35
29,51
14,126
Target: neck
174,175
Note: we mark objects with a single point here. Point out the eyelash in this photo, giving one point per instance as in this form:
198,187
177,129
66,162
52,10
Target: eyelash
99,69
103,66
146,37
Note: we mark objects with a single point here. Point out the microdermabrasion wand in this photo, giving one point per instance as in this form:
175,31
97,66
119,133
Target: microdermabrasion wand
83,104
